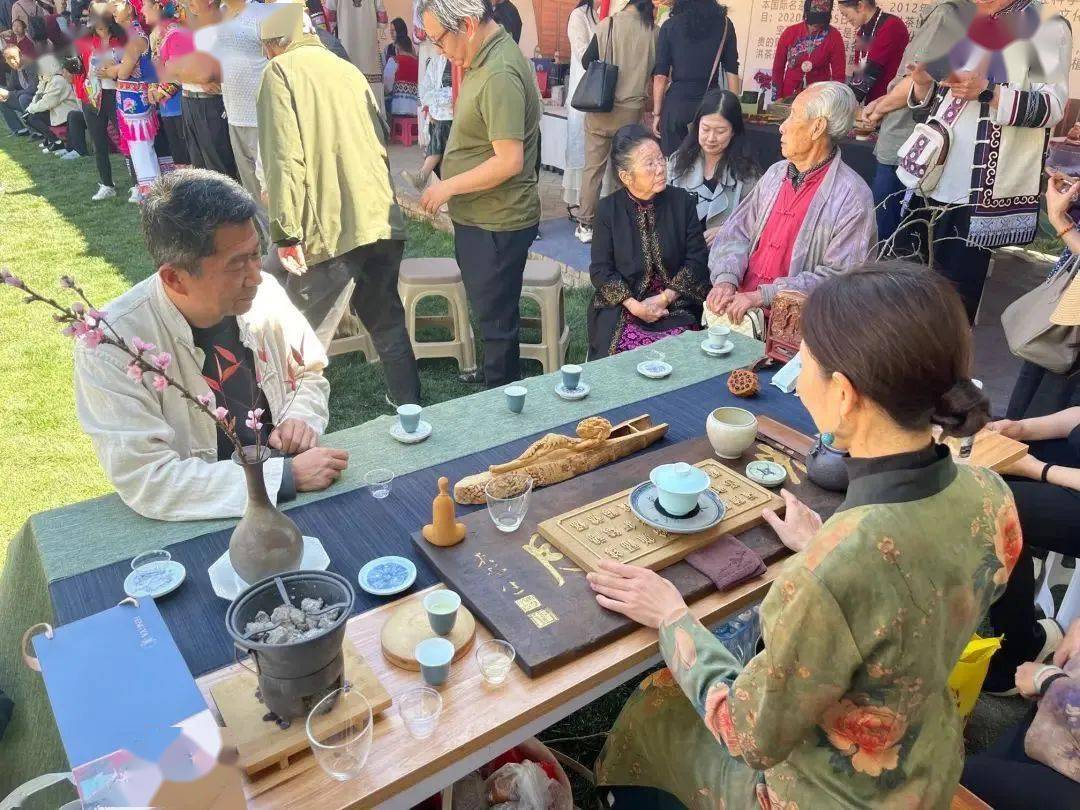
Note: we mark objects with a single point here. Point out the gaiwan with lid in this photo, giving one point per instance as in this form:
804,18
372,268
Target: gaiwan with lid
678,486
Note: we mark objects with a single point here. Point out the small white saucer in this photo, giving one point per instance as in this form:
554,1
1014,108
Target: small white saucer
644,504
155,579
654,369
571,395
423,430
386,576
709,350
228,585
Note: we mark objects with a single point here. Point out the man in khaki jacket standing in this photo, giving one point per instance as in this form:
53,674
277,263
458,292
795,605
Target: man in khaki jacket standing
208,306
333,216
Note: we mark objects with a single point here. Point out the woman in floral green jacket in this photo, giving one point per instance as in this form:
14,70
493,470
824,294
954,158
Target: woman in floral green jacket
848,704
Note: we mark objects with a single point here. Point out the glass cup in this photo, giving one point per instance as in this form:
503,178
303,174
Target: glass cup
508,499
420,709
495,658
341,747
378,482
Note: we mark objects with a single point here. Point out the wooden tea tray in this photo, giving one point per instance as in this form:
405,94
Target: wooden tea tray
262,743
408,625
608,530
990,450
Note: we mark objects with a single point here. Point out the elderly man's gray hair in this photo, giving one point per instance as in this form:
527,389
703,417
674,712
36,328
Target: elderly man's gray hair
835,102
183,210
452,14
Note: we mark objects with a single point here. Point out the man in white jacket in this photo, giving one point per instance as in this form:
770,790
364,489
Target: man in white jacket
207,309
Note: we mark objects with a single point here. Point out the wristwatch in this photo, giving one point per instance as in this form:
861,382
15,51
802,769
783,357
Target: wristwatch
987,95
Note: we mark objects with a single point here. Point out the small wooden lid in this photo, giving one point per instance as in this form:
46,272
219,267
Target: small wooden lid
408,626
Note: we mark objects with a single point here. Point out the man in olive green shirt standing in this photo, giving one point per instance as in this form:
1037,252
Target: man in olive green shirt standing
338,229
489,171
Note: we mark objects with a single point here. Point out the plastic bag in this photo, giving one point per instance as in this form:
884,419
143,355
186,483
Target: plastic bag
967,677
525,786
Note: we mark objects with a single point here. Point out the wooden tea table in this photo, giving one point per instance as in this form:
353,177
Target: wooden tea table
478,721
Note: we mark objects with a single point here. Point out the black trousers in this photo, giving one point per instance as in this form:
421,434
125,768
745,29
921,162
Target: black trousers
1006,778
206,133
1049,517
374,270
962,263
492,266
173,127
676,115
97,124
39,123
76,132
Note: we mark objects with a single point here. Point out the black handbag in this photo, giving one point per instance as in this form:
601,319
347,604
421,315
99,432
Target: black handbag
596,90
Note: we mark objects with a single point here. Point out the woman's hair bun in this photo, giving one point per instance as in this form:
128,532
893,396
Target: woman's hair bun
963,410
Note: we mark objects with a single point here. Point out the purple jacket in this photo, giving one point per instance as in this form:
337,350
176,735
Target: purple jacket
839,231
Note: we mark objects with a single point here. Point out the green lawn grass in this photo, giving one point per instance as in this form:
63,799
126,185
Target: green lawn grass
48,228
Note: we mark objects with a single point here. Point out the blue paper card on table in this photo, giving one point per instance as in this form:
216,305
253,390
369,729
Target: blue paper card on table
117,681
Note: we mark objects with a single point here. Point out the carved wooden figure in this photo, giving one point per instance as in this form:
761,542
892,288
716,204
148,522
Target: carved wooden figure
443,530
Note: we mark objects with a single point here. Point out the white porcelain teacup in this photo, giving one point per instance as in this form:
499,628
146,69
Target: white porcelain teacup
718,336
731,431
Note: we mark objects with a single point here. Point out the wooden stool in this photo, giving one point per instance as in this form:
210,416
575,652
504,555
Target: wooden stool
543,284
423,278
406,130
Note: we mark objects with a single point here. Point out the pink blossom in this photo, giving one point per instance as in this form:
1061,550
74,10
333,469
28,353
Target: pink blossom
162,361
160,383
78,308
97,315
92,337
253,419
207,400
68,331
134,370
221,413
14,281
67,282
140,346
80,328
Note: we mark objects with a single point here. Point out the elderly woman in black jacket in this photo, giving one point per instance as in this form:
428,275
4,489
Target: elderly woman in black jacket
649,260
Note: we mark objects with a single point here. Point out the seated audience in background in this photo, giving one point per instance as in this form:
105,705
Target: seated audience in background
1046,486
401,74
51,105
167,460
714,162
808,217
848,704
649,261
1035,764
19,90
17,36
338,229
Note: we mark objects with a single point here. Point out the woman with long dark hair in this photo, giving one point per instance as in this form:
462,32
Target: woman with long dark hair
714,162
696,50
628,40
102,45
848,704
401,75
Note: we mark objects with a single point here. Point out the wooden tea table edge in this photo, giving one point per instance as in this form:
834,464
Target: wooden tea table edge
478,721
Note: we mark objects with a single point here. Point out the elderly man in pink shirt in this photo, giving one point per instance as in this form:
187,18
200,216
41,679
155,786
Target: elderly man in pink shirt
809,216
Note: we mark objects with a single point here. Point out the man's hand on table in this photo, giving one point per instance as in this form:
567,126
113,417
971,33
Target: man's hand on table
719,297
637,593
293,436
799,524
318,468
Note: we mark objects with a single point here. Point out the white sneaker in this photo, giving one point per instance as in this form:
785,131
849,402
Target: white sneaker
70,154
103,193
583,234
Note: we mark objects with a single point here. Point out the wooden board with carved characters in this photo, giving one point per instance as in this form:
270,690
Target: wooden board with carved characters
608,529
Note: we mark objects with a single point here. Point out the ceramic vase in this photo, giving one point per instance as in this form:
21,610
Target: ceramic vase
825,466
265,541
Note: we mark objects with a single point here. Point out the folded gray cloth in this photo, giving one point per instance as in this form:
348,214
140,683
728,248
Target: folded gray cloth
727,562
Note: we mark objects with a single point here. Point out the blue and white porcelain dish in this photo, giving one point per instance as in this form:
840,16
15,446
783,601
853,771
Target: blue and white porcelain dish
154,574
572,394
386,576
643,503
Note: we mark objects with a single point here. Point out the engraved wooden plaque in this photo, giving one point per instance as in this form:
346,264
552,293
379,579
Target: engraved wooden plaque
609,530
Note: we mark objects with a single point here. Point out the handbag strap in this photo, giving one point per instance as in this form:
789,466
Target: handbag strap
610,49
716,61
